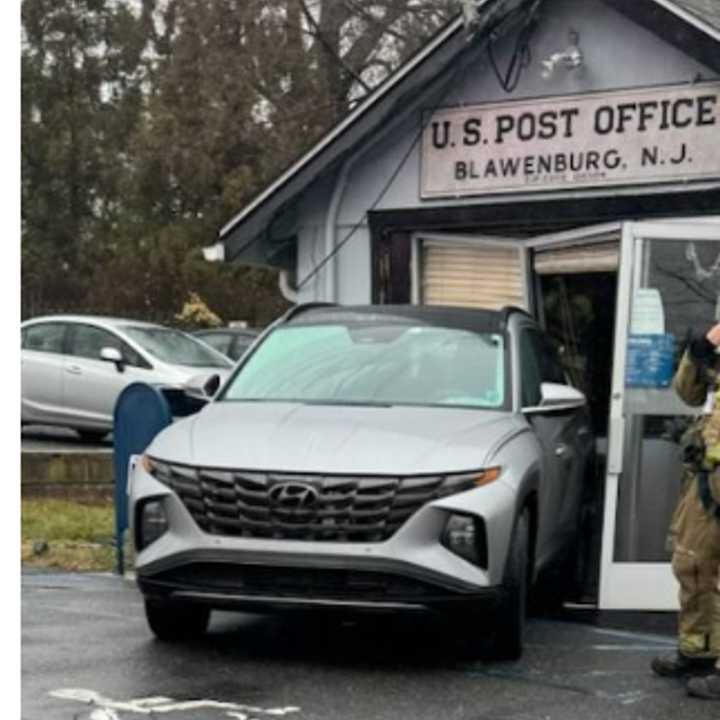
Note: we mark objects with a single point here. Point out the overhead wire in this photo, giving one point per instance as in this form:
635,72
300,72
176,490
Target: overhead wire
521,57
448,87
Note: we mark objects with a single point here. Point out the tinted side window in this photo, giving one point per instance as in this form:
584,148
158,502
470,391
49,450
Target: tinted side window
134,358
88,341
529,370
45,337
550,367
218,341
241,345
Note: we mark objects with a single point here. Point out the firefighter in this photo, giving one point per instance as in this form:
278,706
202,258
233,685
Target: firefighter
695,527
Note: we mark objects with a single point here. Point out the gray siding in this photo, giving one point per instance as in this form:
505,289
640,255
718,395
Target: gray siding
618,54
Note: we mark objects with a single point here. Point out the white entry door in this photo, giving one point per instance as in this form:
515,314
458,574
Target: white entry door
669,286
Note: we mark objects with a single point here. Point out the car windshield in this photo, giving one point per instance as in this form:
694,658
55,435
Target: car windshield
177,348
375,364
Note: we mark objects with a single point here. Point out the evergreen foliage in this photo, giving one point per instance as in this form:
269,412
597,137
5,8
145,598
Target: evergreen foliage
146,124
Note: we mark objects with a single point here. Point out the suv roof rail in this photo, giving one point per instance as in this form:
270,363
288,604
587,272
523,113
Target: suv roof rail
302,307
508,310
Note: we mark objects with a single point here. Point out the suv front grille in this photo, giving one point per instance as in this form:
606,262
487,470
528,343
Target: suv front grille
294,582
303,507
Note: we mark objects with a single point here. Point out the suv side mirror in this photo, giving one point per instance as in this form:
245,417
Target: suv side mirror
557,397
113,355
202,387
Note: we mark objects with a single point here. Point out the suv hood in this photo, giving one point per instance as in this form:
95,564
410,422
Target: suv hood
333,439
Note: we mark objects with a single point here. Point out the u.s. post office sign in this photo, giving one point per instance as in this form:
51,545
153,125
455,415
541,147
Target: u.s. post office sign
651,135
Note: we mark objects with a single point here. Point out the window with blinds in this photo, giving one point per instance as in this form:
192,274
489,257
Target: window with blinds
587,258
487,276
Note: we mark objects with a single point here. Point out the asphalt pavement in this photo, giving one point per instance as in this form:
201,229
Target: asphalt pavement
87,655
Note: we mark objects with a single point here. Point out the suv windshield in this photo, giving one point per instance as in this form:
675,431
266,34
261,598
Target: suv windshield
375,364
172,346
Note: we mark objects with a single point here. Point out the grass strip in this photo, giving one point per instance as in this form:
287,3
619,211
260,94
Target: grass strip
67,535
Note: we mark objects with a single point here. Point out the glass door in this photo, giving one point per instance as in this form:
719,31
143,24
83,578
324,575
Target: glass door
668,287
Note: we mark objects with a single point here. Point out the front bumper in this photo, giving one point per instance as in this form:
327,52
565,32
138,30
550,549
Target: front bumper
409,571
285,589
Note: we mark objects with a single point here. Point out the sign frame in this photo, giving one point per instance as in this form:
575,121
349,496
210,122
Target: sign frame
674,154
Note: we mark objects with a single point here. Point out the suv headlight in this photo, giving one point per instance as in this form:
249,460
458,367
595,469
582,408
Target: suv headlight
465,536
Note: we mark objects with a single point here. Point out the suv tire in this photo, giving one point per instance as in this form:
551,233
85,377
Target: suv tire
172,622
510,619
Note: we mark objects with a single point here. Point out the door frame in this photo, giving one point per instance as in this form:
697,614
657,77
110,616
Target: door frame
624,585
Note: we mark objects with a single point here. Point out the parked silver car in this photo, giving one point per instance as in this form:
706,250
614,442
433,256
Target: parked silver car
230,341
74,367
368,458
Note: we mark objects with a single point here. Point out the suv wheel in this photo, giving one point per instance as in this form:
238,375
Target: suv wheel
172,622
510,620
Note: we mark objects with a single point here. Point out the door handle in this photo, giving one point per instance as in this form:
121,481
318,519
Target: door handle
560,450
74,369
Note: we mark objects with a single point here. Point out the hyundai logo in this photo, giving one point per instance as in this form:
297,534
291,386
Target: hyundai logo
293,496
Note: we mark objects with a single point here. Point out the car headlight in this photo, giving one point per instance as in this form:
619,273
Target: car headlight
465,536
486,476
152,523
459,482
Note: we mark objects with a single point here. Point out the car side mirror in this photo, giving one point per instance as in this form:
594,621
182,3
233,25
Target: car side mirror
202,387
556,397
113,355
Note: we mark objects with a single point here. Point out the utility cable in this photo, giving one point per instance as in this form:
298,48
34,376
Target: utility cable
448,87
416,139
521,57
360,222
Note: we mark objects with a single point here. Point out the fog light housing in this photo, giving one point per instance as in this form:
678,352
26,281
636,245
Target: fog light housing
152,523
465,536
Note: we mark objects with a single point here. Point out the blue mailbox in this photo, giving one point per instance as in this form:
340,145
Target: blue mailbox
141,412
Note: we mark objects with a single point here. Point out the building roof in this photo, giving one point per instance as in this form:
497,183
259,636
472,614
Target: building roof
240,231
695,28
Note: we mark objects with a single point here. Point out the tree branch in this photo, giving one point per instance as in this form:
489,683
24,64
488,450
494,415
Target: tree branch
331,50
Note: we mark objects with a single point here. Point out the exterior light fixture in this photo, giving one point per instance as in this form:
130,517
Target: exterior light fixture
214,253
571,58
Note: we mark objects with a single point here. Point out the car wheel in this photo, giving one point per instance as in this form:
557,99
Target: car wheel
92,435
510,620
173,622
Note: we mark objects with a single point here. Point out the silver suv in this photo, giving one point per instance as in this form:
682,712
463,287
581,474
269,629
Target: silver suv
384,458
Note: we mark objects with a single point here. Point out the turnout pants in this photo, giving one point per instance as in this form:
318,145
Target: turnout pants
696,564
